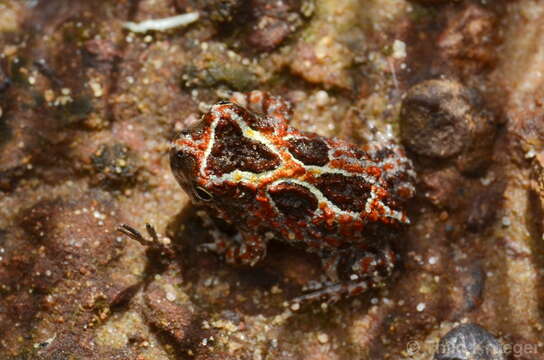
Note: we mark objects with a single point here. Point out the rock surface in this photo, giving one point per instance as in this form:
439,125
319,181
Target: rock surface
86,112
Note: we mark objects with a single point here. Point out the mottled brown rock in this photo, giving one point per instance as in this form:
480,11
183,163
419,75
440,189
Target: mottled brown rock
102,49
222,11
4,81
468,284
177,317
54,274
469,39
443,119
432,2
443,187
274,22
114,165
484,207
215,67
269,33
125,89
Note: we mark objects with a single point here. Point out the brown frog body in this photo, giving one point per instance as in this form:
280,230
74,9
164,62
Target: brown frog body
244,164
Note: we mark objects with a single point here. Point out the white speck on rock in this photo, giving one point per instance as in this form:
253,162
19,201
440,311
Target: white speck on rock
530,154
399,49
322,98
323,338
170,296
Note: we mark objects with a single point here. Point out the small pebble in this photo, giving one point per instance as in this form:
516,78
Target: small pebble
469,342
323,338
322,98
170,296
530,154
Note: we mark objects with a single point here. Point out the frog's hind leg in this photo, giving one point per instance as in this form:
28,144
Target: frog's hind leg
355,264
352,272
334,292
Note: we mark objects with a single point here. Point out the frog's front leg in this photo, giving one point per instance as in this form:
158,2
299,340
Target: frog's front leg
352,272
242,249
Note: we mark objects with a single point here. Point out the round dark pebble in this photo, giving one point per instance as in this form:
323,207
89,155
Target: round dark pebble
441,118
469,342
433,118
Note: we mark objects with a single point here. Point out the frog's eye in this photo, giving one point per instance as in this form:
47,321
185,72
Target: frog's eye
203,194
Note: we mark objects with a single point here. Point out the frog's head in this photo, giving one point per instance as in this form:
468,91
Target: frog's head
225,150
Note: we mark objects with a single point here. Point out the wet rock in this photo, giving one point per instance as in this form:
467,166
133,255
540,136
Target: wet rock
431,2
443,187
172,312
4,83
484,206
467,290
223,11
469,342
261,25
442,119
274,22
10,177
469,39
59,273
102,49
215,66
325,62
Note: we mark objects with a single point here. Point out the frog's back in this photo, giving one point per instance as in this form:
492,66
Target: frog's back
256,172
330,192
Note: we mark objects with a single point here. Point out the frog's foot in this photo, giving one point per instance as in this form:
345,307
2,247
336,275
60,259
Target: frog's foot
239,250
154,244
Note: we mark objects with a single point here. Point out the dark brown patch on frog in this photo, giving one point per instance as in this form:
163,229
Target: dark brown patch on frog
294,201
237,199
244,195
309,151
348,193
232,151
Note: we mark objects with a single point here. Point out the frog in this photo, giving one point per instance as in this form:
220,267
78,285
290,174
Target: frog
244,164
